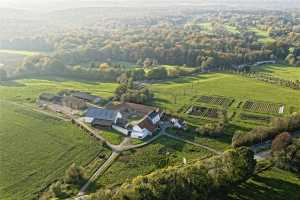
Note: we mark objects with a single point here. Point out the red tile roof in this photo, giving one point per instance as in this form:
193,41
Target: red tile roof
147,123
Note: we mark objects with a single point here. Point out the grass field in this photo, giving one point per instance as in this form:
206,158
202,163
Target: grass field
19,52
112,136
28,90
273,184
232,29
175,94
282,71
263,35
145,160
36,149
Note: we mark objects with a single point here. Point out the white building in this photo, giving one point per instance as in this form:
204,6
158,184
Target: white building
144,128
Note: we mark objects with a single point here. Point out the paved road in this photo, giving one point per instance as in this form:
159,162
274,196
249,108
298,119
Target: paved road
267,145
192,143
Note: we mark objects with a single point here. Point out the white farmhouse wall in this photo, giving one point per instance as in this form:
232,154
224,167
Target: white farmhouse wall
88,119
156,119
120,129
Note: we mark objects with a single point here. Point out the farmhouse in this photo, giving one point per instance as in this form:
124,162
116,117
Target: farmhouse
87,97
73,102
102,116
144,128
155,116
49,97
147,126
178,123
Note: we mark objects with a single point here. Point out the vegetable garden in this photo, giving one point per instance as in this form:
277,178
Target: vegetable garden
216,100
202,111
263,107
253,117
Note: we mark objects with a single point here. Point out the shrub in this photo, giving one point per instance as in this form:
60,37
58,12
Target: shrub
261,134
211,129
281,142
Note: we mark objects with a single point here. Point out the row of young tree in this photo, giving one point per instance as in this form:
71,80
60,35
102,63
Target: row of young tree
212,178
268,78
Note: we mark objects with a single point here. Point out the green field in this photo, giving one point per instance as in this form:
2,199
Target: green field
232,29
273,184
262,35
112,136
181,93
28,90
36,149
177,93
19,52
147,159
282,71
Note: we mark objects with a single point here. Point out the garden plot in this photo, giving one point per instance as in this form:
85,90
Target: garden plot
216,100
204,112
252,117
263,107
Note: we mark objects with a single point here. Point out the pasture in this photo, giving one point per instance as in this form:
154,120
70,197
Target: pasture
282,71
160,153
263,36
272,184
19,52
36,149
177,93
27,90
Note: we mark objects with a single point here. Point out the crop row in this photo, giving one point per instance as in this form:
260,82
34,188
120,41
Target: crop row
252,117
262,107
216,100
204,112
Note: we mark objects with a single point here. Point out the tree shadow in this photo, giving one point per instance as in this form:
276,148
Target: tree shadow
266,188
62,79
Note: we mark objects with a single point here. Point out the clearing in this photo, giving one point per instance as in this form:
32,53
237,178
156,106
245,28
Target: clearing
282,71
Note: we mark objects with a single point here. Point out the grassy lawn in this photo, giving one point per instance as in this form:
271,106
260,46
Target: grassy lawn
112,136
36,149
282,71
28,90
220,143
162,152
273,184
19,52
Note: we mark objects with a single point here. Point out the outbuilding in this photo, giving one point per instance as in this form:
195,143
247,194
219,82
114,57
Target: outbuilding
101,116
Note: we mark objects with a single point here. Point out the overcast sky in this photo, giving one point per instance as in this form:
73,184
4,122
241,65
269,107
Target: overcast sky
48,5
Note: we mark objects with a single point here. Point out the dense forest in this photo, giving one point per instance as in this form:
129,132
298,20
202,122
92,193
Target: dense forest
202,39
